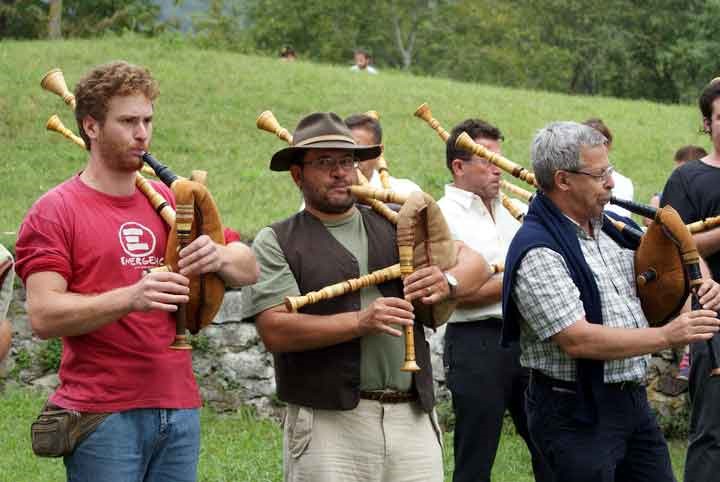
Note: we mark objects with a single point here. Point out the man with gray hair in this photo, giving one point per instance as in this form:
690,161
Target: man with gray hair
569,297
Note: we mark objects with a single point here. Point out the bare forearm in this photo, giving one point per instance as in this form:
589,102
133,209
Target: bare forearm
287,332
600,342
238,266
70,314
5,338
471,271
708,242
488,294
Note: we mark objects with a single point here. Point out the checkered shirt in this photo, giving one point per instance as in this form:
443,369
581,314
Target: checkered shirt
549,302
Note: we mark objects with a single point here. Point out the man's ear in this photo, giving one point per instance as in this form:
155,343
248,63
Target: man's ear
561,180
91,126
296,173
706,126
458,167
382,148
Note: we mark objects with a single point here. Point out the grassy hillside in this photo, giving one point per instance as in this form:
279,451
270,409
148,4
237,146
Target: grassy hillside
205,119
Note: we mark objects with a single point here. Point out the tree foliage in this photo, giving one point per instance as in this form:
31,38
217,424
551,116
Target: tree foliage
657,49
80,18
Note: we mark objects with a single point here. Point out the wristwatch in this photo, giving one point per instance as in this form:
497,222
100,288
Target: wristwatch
452,283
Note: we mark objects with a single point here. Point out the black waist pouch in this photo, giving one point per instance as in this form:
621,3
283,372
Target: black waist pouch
57,431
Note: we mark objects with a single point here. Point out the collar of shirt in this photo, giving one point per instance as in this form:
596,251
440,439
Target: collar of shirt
466,199
596,225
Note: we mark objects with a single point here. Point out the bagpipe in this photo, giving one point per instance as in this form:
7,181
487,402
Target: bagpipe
196,214
423,239
667,262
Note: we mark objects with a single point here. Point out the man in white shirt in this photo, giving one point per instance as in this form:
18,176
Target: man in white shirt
623,185
367,131
362,62
484,378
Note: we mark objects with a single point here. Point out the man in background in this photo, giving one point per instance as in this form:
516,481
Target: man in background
7,277
362,62
485,379
623,185
692,190
367,131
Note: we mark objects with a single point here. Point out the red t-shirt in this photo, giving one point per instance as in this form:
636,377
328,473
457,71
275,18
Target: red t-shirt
98,243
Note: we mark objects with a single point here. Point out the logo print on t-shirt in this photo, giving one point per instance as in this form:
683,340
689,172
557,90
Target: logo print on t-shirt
136,240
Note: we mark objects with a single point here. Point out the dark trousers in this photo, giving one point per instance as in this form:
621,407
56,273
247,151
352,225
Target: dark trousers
703,455
625,445
485,379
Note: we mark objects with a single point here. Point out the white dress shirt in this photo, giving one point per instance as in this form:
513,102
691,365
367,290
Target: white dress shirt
470,222
623,190
400,186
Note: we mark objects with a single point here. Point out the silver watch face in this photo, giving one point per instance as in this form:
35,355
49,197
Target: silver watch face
452,281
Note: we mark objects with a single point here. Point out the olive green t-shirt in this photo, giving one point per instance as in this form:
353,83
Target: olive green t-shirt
382,354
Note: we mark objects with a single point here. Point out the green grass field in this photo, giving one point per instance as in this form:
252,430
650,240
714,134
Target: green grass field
205,119
235,448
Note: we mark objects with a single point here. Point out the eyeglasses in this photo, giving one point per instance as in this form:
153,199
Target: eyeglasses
603,176
330,163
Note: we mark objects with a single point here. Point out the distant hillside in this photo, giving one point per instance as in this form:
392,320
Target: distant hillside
183,12
205,119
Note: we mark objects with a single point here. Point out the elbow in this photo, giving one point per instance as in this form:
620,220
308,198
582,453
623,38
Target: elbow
40,328
40,322
272,343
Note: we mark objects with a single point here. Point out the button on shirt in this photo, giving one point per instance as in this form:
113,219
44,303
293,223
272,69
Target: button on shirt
470,222
549,302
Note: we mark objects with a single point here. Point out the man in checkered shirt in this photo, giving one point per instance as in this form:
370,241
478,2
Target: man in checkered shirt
570,298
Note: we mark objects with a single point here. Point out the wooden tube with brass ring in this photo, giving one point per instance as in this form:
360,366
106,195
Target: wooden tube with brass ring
511,208
424,113
267,122
54,81
294,303
465,142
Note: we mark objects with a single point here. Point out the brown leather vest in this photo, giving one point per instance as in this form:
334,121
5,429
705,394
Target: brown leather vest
329,377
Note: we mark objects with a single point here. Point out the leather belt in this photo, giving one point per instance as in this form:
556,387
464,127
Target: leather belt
389,396
540,377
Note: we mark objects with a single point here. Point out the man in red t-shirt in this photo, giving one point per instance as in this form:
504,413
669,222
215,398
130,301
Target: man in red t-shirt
81,252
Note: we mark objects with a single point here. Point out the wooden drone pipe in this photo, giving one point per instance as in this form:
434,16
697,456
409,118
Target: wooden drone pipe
267,122
54,81
424,113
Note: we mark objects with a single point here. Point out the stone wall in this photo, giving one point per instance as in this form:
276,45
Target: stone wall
233,368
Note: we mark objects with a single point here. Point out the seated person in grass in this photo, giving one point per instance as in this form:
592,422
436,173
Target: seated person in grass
82,252
352,415
7,277
362,62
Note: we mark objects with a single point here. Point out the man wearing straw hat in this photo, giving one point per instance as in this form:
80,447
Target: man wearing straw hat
692,190
569,296
352,414
127,407
484,378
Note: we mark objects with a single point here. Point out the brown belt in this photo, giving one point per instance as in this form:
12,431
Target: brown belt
389,396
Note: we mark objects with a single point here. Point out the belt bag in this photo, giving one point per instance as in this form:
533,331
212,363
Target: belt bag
57,431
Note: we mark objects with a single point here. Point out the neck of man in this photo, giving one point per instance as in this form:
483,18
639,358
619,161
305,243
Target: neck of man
713,159
488,201
98,176
567,207
329,217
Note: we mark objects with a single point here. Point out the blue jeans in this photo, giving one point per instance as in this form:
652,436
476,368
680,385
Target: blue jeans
158,445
